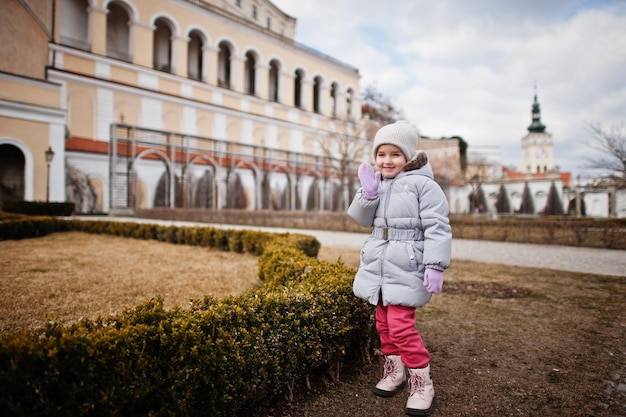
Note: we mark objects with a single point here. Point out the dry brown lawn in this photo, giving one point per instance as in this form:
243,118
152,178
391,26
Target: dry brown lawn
505,341
76,275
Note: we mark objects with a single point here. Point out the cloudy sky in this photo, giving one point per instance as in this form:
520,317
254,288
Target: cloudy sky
469,67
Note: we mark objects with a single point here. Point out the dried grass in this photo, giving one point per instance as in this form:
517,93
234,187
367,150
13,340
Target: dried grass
552,346
76,275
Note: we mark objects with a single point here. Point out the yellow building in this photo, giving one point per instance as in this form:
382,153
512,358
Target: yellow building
172,103
32,117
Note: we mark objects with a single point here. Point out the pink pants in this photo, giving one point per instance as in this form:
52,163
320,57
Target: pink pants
398,336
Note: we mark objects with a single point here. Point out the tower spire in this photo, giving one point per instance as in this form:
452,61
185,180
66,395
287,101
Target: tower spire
536,125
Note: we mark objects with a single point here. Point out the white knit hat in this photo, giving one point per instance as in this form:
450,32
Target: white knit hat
401,134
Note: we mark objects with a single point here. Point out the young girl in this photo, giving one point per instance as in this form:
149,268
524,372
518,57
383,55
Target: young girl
403,260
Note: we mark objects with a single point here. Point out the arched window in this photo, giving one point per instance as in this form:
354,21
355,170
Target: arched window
349,99
250,73
297,88
274,80
317,89
118,38
162,44
223,70
334,91
75,24
194,56
11,173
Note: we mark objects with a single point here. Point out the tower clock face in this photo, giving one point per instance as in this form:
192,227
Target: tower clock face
541,154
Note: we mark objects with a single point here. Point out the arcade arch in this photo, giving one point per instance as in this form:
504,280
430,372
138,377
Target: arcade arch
218,174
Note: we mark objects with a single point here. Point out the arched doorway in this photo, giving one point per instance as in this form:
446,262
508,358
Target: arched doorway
12,163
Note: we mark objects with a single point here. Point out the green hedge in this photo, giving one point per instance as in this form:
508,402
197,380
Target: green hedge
567,231
23,227
38,208
221,357
240,241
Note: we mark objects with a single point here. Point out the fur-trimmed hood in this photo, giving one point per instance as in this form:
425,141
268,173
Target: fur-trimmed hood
419,160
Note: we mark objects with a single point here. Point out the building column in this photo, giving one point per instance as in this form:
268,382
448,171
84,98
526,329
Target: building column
262,77
98,20
237,73
179,56
205,65
306,95
286,88
210,70
341,106
142,44
324,102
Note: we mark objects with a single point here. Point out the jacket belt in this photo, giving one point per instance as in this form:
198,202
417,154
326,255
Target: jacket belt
390,233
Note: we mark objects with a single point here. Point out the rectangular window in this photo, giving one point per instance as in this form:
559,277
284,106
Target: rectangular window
254,12
238,3
269,23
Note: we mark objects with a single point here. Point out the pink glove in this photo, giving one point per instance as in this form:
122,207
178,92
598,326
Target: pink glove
370,180
433,280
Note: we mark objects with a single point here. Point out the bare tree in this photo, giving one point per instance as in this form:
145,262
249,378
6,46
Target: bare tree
475,174
236,193
79,190
477,201
343,151
378,108
612,143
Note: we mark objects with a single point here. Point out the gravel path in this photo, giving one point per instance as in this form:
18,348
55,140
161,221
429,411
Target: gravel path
565,258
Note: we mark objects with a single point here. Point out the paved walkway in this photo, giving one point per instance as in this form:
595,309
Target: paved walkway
565,258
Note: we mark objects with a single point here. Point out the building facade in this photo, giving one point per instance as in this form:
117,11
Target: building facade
118,105
212,91
32,117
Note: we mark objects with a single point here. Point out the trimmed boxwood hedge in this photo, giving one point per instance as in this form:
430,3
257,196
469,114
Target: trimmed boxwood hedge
38,208
547,230
220,357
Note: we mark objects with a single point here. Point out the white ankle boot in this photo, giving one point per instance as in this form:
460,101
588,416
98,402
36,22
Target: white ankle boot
421,400
394,377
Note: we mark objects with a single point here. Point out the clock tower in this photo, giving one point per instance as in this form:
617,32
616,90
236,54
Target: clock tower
537,147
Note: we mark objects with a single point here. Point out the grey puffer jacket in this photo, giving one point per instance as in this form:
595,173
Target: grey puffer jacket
411,231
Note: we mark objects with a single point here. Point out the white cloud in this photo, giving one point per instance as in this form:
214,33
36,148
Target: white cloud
468,68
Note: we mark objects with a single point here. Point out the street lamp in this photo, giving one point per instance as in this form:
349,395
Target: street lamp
49,155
